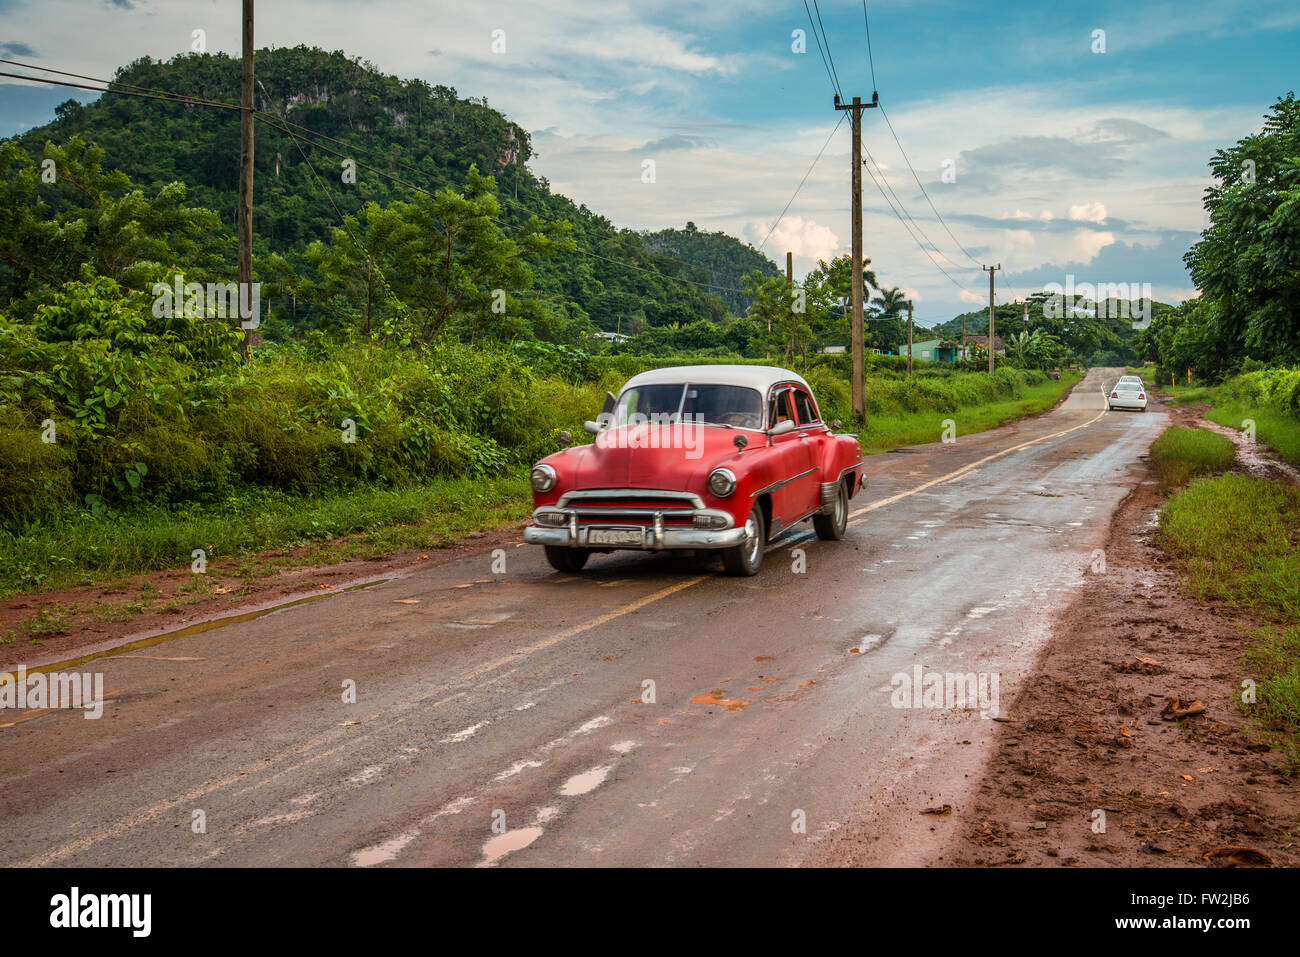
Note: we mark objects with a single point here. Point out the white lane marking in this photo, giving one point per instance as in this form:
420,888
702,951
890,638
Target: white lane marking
465,735
516,768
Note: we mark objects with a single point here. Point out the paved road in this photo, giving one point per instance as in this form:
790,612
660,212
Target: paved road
500,716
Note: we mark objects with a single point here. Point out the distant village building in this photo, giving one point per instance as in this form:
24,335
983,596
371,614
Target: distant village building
937,350
610,336
999,346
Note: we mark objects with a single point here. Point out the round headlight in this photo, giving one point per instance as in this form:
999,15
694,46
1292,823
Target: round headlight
543,478
722,482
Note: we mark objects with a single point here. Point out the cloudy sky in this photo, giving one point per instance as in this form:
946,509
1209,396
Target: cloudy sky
1060,158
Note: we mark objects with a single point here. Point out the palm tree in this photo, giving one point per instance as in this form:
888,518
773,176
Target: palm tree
890,303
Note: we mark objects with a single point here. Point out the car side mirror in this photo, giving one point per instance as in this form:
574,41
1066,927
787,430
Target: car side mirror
592,427
564,439
781,428
836,425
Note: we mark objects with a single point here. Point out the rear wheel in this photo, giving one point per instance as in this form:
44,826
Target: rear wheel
747,557
565,559
831,528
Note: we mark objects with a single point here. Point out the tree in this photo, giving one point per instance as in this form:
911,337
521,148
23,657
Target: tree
1247,263
782,318
459,266
355,266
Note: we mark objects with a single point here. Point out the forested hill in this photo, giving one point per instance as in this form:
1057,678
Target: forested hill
421,135
726,260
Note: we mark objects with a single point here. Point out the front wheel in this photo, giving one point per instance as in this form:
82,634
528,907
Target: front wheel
747,557
565,559
831,528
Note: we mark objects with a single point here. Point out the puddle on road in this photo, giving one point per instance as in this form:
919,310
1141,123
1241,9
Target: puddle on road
196,629
382,853
507,843
587,781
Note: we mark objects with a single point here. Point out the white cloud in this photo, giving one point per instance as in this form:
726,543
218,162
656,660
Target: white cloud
967,296
1088,213
807,239
1086,243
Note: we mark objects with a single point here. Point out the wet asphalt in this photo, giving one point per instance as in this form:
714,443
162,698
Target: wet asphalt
650,711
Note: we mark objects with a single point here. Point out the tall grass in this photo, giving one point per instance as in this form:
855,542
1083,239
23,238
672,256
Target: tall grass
1180,454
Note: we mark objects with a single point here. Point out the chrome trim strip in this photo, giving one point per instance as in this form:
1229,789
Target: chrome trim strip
784,482
617,516
691,497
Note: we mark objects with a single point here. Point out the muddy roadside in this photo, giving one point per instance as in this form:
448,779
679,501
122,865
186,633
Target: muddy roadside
1089,771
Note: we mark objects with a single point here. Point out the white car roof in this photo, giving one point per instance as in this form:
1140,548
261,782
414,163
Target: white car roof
754,377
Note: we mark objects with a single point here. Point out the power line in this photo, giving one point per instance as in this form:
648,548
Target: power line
918,242
922,188
818,40
827,41
870,58
903,207
801,182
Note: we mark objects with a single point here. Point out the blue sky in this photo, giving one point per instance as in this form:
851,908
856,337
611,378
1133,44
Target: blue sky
1066,160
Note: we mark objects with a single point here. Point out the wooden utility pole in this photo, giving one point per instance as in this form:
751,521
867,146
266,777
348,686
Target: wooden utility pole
991,270
246,176
909,337
859,344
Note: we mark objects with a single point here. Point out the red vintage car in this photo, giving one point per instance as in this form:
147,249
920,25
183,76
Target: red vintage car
723,457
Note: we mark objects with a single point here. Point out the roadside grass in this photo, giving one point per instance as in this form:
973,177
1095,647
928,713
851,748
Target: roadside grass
1196,395
78,548
1235,537
1180,454
1276,657
1147,373
1277,430
892,430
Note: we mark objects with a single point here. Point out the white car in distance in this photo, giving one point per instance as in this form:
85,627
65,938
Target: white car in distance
1128,393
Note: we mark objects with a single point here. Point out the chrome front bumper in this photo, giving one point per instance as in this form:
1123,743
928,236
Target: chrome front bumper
560,525
671,537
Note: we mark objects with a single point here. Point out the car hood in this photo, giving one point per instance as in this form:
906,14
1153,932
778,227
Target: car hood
655,456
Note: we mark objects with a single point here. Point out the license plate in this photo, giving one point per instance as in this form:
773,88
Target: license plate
615,536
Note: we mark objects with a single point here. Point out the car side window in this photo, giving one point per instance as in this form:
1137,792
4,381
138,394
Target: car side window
779,410
803,404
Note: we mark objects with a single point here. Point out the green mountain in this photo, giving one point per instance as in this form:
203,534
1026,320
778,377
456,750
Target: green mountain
403,136
724,258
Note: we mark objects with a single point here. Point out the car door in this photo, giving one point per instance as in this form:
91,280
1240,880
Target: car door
789,495
812,435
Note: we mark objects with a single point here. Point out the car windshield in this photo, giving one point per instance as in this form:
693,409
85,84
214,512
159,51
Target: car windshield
732,405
